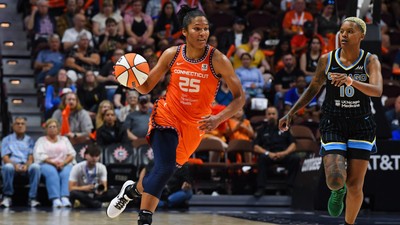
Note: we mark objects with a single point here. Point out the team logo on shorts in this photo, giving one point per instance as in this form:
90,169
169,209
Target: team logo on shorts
120,154
204,67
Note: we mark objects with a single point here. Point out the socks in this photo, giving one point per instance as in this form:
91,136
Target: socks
145,217
132,192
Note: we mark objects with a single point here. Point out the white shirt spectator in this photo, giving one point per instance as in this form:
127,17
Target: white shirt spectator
71,35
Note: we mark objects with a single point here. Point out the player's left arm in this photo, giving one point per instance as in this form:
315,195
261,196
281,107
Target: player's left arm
223,66
375,86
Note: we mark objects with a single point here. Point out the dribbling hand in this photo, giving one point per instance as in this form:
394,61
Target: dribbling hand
284,122
208,123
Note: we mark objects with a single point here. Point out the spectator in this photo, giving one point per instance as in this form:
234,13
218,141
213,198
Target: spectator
396,66
299,42
70,37
224,95
239,128
55,90
111,131
235,36
65,20
309,59
251,78
133,105
294,94
275,148
111,41
55,155
40,24
219,133
49,61
190,3
393,117
103,107
327,22
281,49
82,58
153,8
17,155
91,93
75,118
119,98
286,77
99,20
88,181
107,77
167,28
137,122
253,48
138,26
294,19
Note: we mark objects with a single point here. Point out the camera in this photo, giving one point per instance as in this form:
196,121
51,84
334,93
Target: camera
143,99
99,187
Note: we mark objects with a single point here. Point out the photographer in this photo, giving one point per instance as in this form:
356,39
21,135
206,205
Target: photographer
137,122
88,180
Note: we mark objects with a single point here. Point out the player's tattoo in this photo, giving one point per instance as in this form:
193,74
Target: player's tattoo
335,171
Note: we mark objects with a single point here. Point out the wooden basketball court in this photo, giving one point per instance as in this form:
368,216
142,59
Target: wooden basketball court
74,217
193,216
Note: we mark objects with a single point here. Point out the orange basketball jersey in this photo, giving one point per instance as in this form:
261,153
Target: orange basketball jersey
193,85
190,93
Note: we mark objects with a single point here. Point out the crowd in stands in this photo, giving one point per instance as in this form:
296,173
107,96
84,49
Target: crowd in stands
75,44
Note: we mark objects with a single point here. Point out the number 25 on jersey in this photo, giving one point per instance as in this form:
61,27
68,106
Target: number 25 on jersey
187,84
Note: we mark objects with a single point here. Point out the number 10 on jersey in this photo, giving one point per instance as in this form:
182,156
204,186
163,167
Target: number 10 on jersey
346,90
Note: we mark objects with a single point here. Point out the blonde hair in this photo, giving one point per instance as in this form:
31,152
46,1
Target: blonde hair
50,121
361,24
99,115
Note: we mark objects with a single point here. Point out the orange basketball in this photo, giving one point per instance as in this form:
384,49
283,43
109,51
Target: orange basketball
131,70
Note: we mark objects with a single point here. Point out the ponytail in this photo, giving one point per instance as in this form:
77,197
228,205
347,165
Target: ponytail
186,14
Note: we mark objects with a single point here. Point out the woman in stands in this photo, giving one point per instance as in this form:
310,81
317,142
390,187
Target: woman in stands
55,155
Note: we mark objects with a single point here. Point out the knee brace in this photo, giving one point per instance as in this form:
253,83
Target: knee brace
145,217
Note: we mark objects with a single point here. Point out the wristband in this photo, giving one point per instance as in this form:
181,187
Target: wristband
349,81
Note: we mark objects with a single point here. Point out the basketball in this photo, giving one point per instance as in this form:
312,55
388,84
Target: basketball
131,70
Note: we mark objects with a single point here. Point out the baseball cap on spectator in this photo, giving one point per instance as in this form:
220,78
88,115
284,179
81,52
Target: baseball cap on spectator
65,91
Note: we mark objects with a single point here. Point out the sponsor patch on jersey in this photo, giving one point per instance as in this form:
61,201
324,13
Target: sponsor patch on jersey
359,69
204,67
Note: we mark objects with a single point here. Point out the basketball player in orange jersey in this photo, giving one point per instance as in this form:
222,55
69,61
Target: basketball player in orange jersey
348,130
180,118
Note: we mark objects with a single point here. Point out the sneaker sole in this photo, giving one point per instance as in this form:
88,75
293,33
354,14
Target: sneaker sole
120,194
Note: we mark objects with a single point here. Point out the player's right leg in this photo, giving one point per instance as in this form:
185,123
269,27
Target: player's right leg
164,144
335,172
334,152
